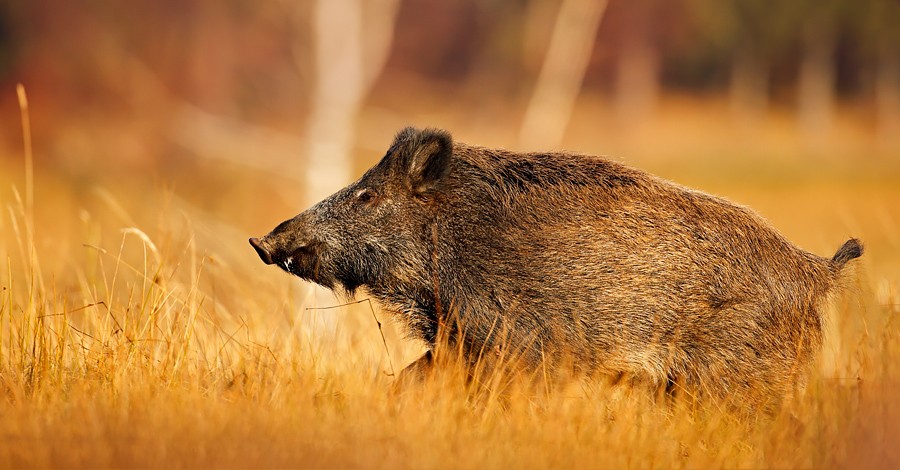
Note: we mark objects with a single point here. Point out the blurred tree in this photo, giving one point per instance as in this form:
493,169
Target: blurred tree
7,41
881,36
760,31
499,42
750,68
438,40
349,55
637,72
562,72
816,86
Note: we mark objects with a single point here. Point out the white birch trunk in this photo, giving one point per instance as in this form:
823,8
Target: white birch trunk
351,42
559,81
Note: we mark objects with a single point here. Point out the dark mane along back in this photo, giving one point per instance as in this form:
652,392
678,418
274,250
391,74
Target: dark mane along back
527,173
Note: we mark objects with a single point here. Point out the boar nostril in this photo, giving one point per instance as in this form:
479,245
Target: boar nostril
263,254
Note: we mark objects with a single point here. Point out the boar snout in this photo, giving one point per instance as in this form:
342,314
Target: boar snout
264,254
291,251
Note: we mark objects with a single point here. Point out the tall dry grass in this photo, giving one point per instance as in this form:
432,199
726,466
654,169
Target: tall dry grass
137,329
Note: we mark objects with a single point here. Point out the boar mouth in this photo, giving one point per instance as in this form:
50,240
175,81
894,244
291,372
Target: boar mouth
302,261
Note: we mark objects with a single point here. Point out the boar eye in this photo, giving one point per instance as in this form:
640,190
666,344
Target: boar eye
365,196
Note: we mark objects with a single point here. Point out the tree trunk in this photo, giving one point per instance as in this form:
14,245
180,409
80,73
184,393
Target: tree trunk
815,95
637,74
749,87
562,72
349,55
336,97
887,97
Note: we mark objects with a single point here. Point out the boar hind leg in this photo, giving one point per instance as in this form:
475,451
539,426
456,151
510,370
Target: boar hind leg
415,372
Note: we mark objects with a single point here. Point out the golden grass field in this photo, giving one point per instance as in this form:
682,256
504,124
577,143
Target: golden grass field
138,328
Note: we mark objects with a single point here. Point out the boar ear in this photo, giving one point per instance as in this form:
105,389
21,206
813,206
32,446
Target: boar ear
429,159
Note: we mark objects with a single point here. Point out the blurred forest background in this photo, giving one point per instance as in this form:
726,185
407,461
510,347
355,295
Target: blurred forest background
137,324
292,87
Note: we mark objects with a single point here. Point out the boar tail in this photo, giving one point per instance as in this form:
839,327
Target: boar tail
851,249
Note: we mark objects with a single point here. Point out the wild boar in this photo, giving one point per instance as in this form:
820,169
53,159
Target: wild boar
555,255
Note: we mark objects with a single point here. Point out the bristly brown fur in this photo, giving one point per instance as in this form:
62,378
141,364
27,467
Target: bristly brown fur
564,259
